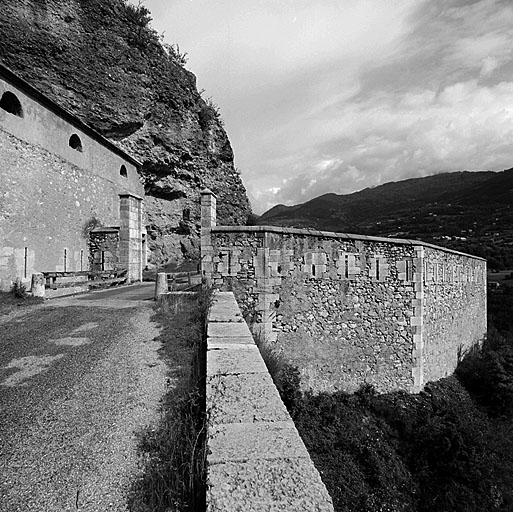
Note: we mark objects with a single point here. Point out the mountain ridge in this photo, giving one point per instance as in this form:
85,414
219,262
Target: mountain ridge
468,211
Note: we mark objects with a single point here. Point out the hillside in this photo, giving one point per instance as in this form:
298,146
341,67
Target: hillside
101,60
468,211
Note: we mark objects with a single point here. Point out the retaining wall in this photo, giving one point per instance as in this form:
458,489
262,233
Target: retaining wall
349,309
256,460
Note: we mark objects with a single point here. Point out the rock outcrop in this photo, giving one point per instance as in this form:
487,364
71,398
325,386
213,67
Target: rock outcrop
101,60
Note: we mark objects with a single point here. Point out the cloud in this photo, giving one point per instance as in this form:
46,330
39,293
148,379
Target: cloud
335,95
464,126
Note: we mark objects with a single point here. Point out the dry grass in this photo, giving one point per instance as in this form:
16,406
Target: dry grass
10,301
174,478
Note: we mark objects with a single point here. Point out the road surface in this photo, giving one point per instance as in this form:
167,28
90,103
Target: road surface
79,377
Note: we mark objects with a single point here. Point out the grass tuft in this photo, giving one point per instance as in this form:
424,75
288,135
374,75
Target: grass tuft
19,290
175,452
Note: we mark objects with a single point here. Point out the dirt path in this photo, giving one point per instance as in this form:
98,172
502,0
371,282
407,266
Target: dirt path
79,377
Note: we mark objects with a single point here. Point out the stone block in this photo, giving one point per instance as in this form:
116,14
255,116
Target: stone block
227,329
307,269
223,313
223,341
401,267
419,251
244,398
267,485
234,359
239,442
416,321
274,255
207,266
38,285
417,277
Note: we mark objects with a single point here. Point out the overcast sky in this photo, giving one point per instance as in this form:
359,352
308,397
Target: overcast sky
338,95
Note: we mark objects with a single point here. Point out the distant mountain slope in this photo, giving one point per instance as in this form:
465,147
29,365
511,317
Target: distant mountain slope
469,211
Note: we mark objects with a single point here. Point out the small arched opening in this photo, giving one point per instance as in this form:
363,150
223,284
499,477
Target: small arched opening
10,103
123,172
75,142
186,214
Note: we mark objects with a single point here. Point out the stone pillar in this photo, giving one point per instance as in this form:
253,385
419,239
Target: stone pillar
38,285
161,285
208,221
417,320
130,235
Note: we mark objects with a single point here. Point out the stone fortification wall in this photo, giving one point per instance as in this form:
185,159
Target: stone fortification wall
60,179
454,309
348,309
256,459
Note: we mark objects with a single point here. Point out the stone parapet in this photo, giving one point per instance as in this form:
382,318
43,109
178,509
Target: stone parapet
256,458
335,235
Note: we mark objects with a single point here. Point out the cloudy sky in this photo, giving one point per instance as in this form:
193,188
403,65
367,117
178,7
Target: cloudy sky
338,95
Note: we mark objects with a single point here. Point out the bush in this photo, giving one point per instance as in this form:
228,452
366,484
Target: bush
19,290
487,373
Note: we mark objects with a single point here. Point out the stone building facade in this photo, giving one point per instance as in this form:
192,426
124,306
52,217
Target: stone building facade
62,181
348,309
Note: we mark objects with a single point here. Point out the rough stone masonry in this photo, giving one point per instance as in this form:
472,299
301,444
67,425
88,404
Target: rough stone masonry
349,309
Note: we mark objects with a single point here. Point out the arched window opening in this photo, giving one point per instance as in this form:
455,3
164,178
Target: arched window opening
123,172
75,142
10,103
186,214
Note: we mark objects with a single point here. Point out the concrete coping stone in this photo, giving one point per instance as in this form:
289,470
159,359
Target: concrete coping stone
227,329
267,485
220,341
244,398
235,360
225,315
332,234
231,344
238,442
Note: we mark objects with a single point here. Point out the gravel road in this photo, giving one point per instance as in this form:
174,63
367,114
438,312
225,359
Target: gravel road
79,377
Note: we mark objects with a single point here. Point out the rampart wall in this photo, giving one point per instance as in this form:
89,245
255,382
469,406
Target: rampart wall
59,180
348,309
256,459
454,308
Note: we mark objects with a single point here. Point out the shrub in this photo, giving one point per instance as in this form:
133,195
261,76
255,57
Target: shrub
174,53
19,290
487,372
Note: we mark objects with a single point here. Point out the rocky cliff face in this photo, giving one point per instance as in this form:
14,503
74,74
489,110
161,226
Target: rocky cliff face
101,60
